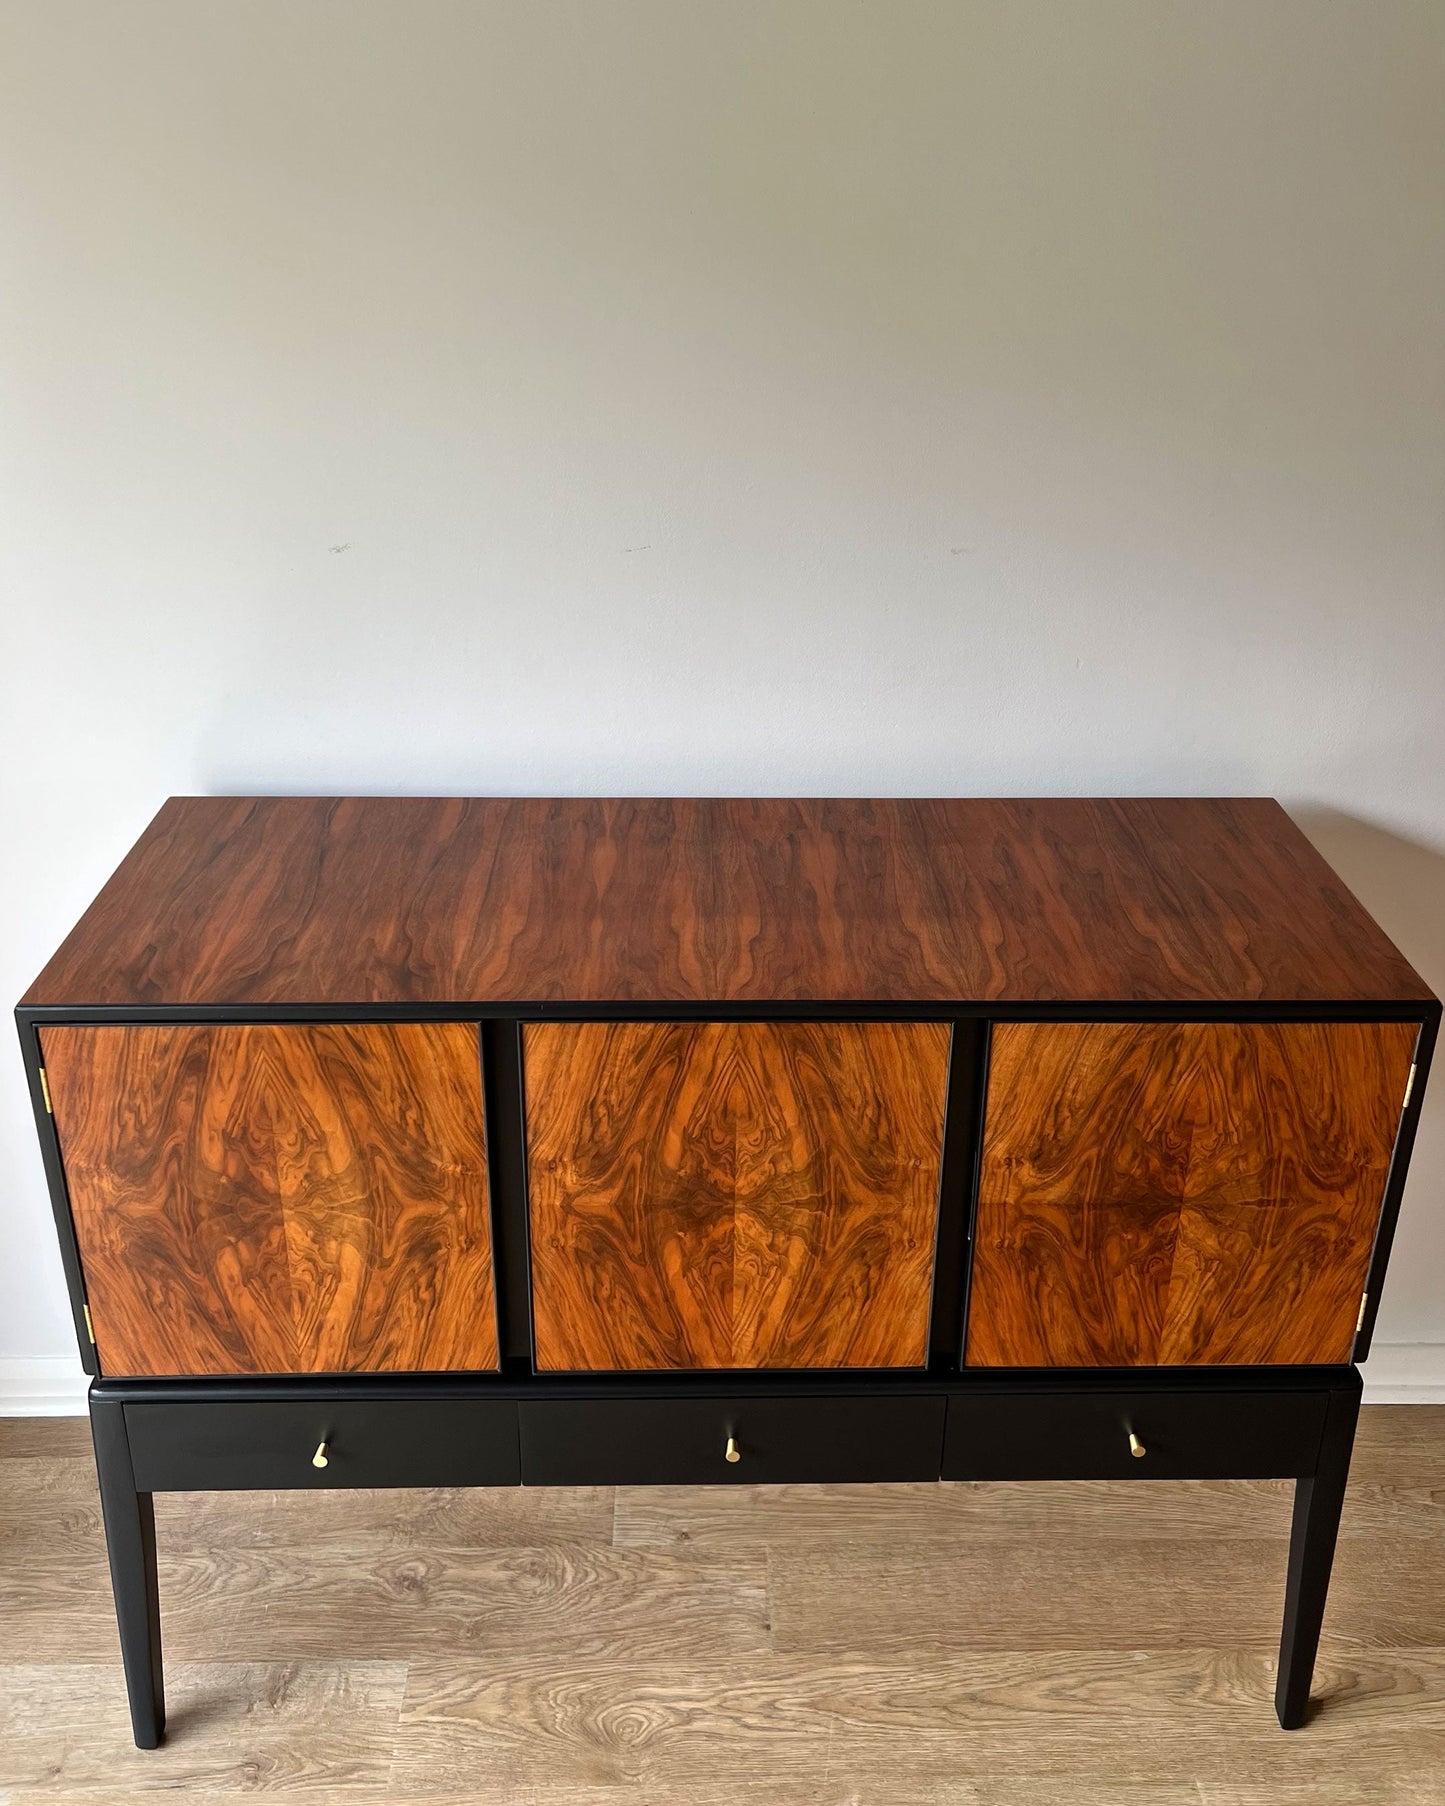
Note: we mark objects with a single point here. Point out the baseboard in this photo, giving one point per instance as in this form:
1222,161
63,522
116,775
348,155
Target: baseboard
1405,1373
42,1388
1397,1373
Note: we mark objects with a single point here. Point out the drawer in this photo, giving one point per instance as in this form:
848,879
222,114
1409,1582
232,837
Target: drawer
684,1441
1183,1435
369,1442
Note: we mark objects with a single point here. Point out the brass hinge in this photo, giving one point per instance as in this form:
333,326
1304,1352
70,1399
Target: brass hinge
1409,1087
1360,1320
89,1326
50,1110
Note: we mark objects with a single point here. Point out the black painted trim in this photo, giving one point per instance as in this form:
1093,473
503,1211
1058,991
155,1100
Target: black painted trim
967,1051
128,1513
857,1383
1318,1500
502,1081
980,1108
31,1053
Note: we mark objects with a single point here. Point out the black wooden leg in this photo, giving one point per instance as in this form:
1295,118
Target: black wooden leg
1317,1503
130,1536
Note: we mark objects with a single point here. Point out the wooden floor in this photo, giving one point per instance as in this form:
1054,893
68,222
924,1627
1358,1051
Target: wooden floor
1095,1645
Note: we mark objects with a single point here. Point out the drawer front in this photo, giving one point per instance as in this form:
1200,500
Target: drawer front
1183,1436
381,1442
642,1442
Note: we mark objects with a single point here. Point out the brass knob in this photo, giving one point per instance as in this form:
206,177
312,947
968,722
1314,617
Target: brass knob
732,1452
320,1458
1136,1448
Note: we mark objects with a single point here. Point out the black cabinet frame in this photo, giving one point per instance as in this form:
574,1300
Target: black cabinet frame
1291,1423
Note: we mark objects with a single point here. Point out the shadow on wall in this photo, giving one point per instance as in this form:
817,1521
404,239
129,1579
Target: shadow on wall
1401,884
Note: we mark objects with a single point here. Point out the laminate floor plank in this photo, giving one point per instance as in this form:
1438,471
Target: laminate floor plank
339,1600
958,1645
1400,1445
385,1518
292,1727
1105,1718
55,1502
1376,1509
57,1437
985,1790
706,1517
50,1604
1420,1789
566,1600
1391,1592
48,1503
1162,1593
1093,1595
943,1512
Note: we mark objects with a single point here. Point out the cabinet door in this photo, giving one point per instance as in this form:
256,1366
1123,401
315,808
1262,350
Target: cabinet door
296,1199
733,1194
1181,1193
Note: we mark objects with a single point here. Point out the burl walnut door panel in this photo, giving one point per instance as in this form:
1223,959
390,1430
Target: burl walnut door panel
709,1195
1181,1193
278,1199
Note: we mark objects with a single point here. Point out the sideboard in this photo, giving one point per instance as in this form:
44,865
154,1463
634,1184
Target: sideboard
460,1142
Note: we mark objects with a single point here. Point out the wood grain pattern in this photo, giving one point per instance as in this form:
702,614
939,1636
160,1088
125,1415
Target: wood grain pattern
410,1518
1166,1592
1176,1193
32,1438
961,1513
259,901
996,1596
559,1600
884,1726
319,1729
865,1727
278,1199
733,1194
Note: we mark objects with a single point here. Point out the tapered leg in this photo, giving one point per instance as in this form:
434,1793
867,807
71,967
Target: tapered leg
1317,1503
130,1536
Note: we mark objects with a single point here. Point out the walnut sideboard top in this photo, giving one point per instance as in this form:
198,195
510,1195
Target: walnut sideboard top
271,903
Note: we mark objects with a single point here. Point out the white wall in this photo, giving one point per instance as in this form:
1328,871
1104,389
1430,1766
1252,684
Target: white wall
640,395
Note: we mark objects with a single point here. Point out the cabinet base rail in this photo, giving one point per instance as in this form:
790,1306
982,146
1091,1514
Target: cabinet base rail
419,1430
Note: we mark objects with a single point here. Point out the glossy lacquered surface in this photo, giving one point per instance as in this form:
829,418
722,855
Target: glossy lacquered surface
257,902
278,1199
713,1195
1181,1193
